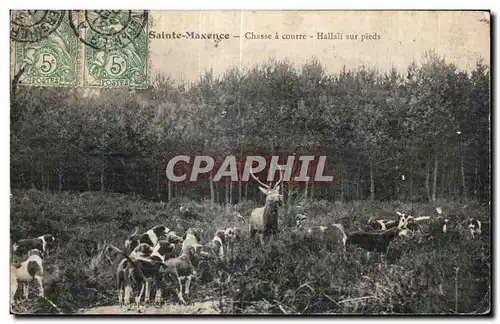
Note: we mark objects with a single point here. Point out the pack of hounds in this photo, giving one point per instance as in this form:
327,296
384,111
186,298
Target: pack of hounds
159,257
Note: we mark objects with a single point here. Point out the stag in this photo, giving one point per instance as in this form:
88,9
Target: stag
264,220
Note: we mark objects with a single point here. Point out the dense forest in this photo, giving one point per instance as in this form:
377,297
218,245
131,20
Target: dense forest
416,135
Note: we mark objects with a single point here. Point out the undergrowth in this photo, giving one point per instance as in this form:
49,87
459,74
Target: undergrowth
431,274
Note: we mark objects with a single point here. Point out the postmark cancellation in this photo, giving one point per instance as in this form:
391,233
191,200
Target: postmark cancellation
43,48
92,48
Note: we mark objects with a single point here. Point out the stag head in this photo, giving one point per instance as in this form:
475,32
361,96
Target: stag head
272,192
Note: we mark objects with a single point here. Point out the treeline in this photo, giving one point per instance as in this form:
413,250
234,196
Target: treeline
417,136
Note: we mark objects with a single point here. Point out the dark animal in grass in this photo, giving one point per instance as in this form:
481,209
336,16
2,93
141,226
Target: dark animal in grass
375,241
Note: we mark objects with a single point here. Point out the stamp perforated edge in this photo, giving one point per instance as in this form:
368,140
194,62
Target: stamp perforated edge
13,45
148,63
80,66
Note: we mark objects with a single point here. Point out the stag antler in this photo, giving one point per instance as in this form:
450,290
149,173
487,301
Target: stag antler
281,178
265,185
257,179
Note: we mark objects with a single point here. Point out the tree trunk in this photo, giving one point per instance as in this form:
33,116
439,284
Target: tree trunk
102,179
358,180
240,192
462,171
410,176
427,181
246,191
44,185
157,189
137,182
217,199
283,192
361,187
227,193
342,193
60,180
289,196
372,183
286,197
312,189
32,177
435,176
88,181
169,190
306,191
230,193
48,182
475,178
212,193
451,187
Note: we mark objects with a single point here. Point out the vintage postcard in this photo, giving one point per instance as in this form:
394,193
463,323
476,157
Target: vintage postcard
250,162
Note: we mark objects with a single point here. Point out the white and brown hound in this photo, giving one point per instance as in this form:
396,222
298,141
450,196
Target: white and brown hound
438,225
402,221
162,251
172,237
26,272
217,246
191,238
233,235
126,275
301,221
150,237
178,269
41,243
140,269
478,228
385,224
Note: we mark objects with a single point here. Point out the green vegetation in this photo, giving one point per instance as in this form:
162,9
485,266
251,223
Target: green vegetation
430,125
294,272
88,167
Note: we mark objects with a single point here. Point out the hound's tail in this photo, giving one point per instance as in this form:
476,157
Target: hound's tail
122,253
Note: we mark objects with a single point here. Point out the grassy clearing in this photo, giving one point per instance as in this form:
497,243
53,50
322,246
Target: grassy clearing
293,274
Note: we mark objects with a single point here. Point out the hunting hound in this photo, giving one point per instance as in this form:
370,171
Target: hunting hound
26,272
149,237
178,269
40,243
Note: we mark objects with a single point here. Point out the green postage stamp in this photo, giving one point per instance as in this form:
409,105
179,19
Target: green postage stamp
44,47
91,48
